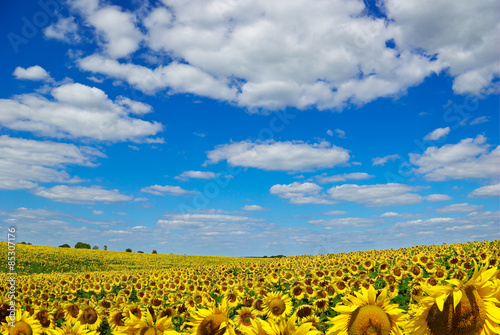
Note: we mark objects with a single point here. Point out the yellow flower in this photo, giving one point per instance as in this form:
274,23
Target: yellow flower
277,305
282,326
213,321
22,324
366,313
459,309
68,328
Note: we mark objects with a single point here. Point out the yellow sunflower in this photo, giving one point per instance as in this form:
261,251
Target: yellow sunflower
277,305
116,320
147,325
459,309
246,320
282,326
367,313
212,321
68,328
90,317
22,323
46,319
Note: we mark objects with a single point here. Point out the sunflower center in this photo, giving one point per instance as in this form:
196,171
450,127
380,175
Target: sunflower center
119,319
211,324
246,319
277,306
90,316
44,319
369,320
148,331
468,318
21,328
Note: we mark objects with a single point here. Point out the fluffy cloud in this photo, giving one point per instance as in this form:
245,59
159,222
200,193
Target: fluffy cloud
279,156
170,190
470,158
391,194
301,193
78,111
196,175
324,179
254,208
80,194
459,208
385,159
204,220
65,29
437,197
344,223
486,191
464,41
24,163
437,134
31,73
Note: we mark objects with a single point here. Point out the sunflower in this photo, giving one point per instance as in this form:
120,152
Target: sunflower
147,325
304,311
116,320
277,304
282,326
22,323
246,320
367,313
68,328
46,319
212,321
90,317
459,309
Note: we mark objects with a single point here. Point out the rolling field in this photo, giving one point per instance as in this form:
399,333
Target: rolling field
436,289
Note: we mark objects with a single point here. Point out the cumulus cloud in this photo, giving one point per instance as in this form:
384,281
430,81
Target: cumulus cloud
167,189
279,156
324,179
437,197
186,175
487,191
459,208
65,29
391,194
203,220
382,160
437,134
301,193
25,163
80,194
470,158
31,73
344,223
78,111
254,208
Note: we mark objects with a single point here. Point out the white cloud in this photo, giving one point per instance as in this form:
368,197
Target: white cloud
344,223
435,222
470,158
80,194
390,215
340,133
24,163
203,220
437,197
334,213
177,77
254,208
324,179
31,73
479,120
464,42
301,193
196,175
171,190
385,159
279,156
65,29
437,134
78,111
96,212
486,191
391,194
459,208
329,132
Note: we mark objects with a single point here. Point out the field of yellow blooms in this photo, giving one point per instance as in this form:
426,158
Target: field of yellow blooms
437,290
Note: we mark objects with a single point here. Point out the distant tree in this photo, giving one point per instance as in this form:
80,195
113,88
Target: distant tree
81,245
128,250
140,252
22,242
65,245
95,247
105,247
154,252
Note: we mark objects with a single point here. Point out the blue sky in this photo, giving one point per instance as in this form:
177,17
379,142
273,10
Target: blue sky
250,128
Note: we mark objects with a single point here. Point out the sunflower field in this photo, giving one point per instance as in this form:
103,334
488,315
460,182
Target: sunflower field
436,289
